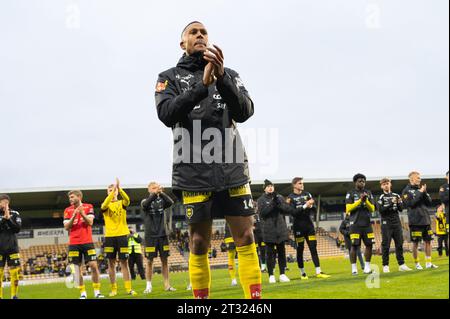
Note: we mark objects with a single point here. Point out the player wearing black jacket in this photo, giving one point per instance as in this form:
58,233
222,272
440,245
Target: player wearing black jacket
444,196
417,200
10,224
272,209
389,206
197,98
304,230
360,205
156,236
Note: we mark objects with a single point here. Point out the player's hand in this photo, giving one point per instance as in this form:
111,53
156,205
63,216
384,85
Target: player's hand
310,203
395,200
423,189
7,212
117,183
364,197
214,55
208,75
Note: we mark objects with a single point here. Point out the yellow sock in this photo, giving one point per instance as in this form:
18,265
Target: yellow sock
127,285
428,259
2,272
231,264
416,260
82,289
200,275
14,273
114,287
249,271
96,287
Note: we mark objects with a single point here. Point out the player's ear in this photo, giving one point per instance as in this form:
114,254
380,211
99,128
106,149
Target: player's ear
182,45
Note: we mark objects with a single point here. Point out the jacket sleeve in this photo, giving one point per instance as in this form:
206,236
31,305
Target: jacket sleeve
15,222
343,228
400,204
350,205
125,198
410,201
168,202
382,207
443,195
370,203
284,207
427,199
233,92
107,201
265,209
145,204
173,107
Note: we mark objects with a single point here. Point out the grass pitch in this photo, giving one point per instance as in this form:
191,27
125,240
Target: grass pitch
425,284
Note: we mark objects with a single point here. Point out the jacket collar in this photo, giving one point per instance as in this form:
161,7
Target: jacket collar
194,62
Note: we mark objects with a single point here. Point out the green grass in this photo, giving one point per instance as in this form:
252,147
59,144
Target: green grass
425,284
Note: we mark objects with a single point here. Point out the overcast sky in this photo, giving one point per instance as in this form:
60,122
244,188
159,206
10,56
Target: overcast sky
339,86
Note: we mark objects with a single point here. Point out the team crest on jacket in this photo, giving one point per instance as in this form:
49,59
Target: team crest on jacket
161,86
189,212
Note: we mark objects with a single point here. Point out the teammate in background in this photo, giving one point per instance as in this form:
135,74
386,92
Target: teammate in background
155,220
444,196
201,93
417,200
260,245
304,230
344,229
360,205
272,209
78,221
231,250
135,254
389,206
441,231
10,224
116,236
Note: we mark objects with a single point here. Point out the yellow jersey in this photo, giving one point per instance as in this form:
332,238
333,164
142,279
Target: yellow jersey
440,224
115,215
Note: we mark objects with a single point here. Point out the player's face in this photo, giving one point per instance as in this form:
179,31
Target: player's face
360,183
74,199
110,190
195,39
386,187
415,179
299,186
154,188
270,189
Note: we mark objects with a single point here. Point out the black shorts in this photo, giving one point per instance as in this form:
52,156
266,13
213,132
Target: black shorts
302,234
10,258
206,206
77,252
116,246
419,233
157,246
358,233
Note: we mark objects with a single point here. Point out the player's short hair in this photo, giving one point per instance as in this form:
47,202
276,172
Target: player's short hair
152,184
385,180
413,173
187,26
5,197
76,193
295,180
358,176
110,186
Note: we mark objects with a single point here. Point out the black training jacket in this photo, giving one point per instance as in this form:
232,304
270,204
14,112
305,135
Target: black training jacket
182,101
8,230
154,216
388,209
417,202
303,217
444,196
272,210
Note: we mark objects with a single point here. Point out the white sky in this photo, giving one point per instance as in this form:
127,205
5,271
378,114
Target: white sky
349,85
